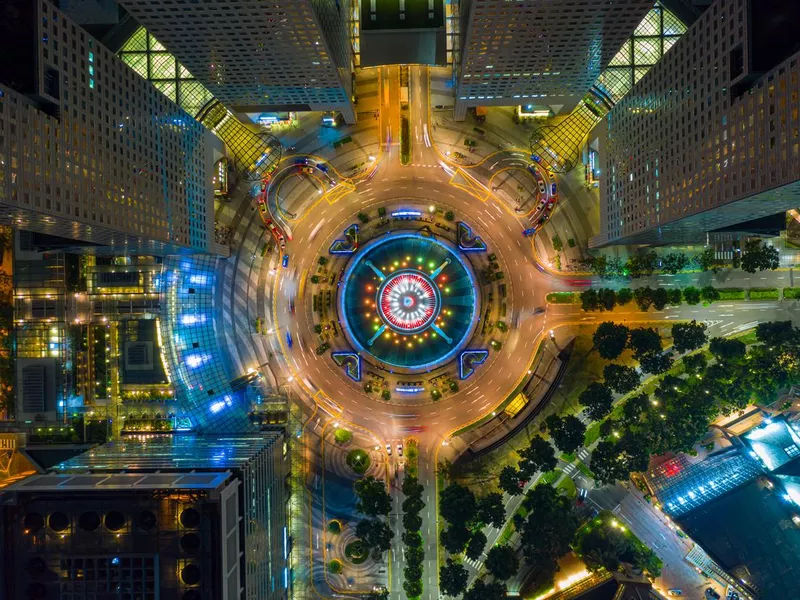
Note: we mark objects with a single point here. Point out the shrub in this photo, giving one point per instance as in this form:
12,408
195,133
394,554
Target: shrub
334,527
557,245
317,328
571,242
791,293
322,261
381,212
436,394
314,279
342,436
386,395
363,217
453,386
335,567
449,215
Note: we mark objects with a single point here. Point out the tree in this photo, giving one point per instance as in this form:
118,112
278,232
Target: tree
589,300
486,591
655,362
511,480
412,521
692,295
643,297
688,336
501,562
634,407
759,256
608,463
620,378
491,510
643,340
454,538
372,497
413,504
610,339
674,296
777,333
567,432
695,364
709,293
660,298
412,587
640,265
597,399
674,262
476,545
412,487
378,595
453,578
727,350
538,456
707,260
624,295
457,504
607,298
376,534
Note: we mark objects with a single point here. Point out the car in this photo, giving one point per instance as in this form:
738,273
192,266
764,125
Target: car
536,158
582,492
322,167
541,204
529,232
300,161
308,170
264,185
389,449
262,207
732,595
551,204
400,449
542,189
553,189
711,594
542,220
675,592
291,306
285,261
582,282
289,341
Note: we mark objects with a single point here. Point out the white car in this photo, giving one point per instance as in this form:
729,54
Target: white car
542,202
542,189
389,449
400,449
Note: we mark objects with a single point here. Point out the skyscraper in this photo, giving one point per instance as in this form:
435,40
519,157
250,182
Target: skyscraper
182,517
538,52
255,56
708,139
91,152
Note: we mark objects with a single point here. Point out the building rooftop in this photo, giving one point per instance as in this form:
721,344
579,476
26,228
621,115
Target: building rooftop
52,482
774,443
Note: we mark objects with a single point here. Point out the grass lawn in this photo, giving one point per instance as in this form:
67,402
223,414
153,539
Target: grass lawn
551,476
358,460
568,486
568,457
563,298
584,469
592,434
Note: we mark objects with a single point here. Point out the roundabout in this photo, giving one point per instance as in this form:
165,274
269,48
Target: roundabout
408,301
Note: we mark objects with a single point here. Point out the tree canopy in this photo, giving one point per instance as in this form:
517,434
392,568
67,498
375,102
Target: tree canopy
372,497
597,399
567,432
688,336
501,562
610,339
620,378
453,578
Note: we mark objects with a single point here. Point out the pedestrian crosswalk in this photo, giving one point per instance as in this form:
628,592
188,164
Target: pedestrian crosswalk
583,454
570,469
474,563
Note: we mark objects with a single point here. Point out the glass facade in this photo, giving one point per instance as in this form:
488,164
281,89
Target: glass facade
202,385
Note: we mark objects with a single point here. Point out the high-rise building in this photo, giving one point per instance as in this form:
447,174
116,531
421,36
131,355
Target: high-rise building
189,518
91,152
708,138
539,51
255,56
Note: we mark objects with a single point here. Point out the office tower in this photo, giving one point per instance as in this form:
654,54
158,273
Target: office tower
89,151
707,140
538,52
188,518
255,56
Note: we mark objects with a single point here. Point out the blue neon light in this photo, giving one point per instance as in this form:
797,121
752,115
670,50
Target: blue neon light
285,544
192,319
195,360
406,213
198,279
409,390
468,360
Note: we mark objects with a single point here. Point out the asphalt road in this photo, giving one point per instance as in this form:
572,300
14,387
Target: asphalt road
319,220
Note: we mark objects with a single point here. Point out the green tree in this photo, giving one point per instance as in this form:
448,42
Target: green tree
695,364
624,295
707,260
476,545
692,295
660,298
644,340
453,578
486,591
567,432
491,510
609,463
376,534
709,293
557,245
597,399
610,339
511,480
412,587
688,336
501,562
372,497
758,256
727,350
643,297
457,504
412,487
455,538
674,296
674,262
777,333
589,300
655,362
620,378
412,521
537,456
607,298
634,407
640,265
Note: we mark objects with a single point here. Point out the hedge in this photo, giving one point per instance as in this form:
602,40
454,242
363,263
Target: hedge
764,294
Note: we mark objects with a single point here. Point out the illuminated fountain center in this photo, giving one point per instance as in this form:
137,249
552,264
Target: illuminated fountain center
408,302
